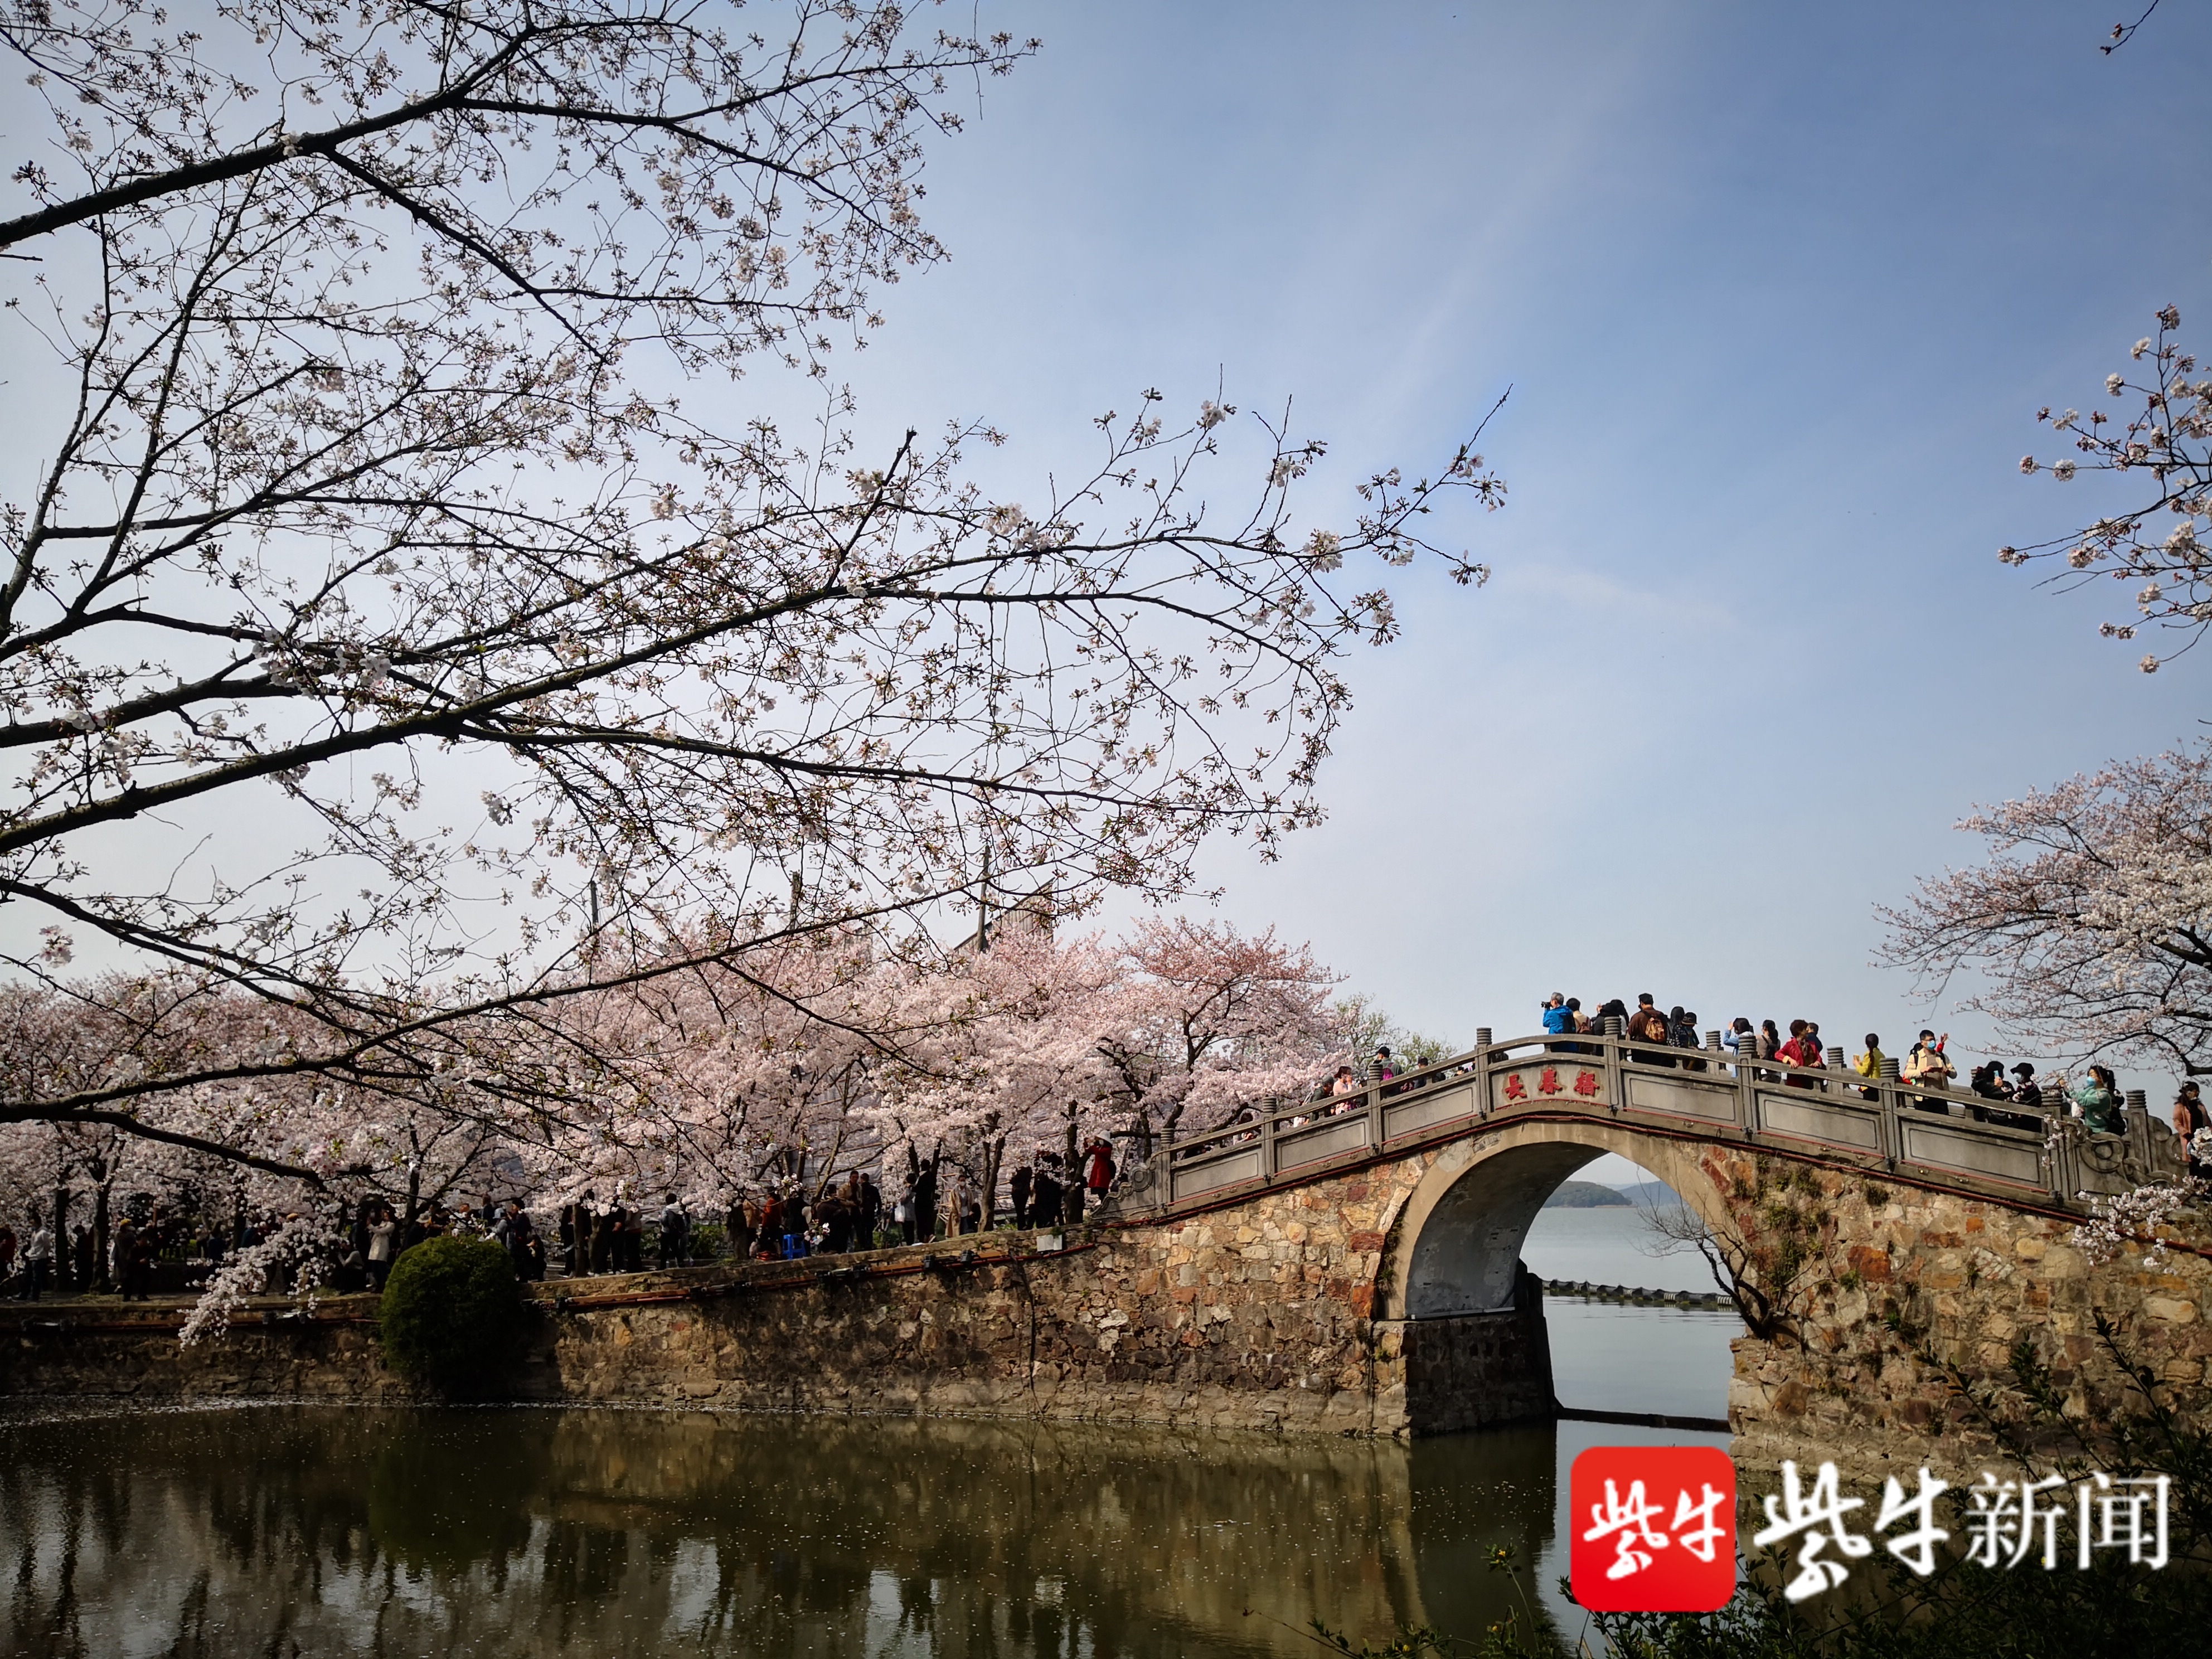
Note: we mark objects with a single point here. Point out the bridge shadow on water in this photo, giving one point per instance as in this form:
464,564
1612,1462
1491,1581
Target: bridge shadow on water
329,1530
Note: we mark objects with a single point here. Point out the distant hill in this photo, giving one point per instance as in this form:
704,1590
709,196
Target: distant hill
1587,1195
1595,1195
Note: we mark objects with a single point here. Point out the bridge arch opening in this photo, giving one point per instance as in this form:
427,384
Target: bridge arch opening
1465,1310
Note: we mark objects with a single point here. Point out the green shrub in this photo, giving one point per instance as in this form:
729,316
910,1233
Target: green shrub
453,1313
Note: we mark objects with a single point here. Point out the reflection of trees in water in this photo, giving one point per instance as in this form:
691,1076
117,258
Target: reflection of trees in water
552,1533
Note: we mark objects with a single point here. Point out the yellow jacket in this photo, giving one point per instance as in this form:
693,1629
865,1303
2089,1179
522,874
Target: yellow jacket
1870,1063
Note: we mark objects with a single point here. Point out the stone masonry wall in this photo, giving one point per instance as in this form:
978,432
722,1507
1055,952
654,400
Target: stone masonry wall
1903,1314
1255,1317
1898,1317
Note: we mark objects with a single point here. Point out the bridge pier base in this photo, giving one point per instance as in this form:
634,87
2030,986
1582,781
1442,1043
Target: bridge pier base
1471,1371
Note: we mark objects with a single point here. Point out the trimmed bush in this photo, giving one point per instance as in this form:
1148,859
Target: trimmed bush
452,1314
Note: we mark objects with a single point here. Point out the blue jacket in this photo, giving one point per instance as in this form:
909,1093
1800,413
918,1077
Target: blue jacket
1555,1019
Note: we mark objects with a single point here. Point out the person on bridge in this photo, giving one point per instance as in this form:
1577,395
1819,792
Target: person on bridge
2096,1103
1020,1185
1740,1041
1868,1065
1648,1024
1928,1065
1803,1048
2023,1094
2188,1118
1555,1015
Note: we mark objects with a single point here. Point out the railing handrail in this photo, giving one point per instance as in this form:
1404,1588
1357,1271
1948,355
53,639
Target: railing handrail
1500,1054
1760,1088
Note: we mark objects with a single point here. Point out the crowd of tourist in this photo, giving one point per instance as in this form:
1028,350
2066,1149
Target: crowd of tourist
2017,1097
360,1243
70,1259
789,1219
789,1222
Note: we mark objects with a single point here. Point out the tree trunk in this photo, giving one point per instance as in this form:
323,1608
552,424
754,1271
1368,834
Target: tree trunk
994,1160
61,1251
1071,1204
100,1278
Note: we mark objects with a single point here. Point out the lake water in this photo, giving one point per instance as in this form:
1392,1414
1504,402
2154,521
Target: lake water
1671,1361
540,1534
1614,1245
532,1532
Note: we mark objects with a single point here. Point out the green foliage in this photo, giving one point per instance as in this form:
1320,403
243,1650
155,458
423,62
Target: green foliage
1366,1026
2110,1612
452,1314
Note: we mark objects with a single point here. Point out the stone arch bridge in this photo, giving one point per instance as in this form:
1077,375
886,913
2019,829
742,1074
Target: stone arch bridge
1352,1266
1868,1218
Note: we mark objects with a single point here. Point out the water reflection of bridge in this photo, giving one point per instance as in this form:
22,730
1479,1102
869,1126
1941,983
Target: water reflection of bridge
591,1532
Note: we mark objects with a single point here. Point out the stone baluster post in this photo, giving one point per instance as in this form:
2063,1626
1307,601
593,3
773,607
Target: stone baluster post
1746,1082
1836,1066
1893,1135
2139,1140
1616,1080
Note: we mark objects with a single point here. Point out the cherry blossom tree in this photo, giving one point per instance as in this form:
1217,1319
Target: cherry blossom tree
220,1148
1215,1020
2158,536
998,1047
2090,925
728,1073
389,650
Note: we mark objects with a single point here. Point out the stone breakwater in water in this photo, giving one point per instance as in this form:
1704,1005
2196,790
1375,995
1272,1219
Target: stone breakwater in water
1258,1316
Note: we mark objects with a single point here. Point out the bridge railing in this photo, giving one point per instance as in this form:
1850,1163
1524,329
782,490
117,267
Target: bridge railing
1936,1134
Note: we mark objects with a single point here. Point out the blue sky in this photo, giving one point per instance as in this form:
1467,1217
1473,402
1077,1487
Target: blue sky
1778,290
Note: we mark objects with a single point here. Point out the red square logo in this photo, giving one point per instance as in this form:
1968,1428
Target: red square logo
1653,1529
